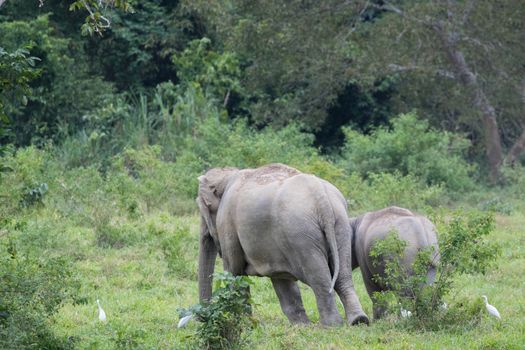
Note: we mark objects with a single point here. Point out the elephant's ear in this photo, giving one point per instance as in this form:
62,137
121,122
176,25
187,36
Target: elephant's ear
207,192
205,200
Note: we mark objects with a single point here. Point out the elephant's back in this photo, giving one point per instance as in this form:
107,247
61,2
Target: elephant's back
409,228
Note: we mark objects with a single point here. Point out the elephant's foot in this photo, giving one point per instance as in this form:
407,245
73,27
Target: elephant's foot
379,312
333,320
362,318
300,321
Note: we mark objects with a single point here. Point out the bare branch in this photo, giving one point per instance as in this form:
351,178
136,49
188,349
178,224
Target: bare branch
486,47
226,99
392,8
516,150
91,14
398,38
450,14
442,72
467,11
389,7
108,23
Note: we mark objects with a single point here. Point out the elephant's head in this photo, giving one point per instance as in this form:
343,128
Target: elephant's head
211,188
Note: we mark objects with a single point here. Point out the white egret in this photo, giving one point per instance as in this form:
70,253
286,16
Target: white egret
405,313
491,309
101,313
184,321
444,306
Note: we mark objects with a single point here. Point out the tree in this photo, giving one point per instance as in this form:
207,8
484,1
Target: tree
295,54
96,21
478,45
17,70
63,92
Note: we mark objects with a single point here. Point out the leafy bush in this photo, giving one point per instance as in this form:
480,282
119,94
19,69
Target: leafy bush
463,249
24,180
514,177
497,205
31,289
411,148
216,144
226,316
217,74
385,189
177,254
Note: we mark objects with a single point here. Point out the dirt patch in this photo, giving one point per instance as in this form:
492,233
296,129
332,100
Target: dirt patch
271,173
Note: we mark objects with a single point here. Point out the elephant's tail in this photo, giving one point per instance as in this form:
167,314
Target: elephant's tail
328,222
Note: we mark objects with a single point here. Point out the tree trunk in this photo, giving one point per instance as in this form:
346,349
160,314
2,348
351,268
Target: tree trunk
519,145
515,151
481,102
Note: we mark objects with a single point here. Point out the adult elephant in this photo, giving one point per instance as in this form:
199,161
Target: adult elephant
277,222
417,231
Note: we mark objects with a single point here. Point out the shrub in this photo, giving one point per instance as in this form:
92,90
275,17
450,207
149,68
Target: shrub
24,179
463,249
497,205
514,178
216,144
385,189
226,316
31,290
218,74
410,147
177,255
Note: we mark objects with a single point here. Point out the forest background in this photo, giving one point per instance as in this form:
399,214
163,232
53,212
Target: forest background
108,114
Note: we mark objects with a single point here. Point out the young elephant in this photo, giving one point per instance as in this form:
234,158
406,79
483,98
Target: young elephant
277,222
416,230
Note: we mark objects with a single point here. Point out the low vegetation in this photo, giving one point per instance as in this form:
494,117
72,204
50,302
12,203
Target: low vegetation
224,319
125,231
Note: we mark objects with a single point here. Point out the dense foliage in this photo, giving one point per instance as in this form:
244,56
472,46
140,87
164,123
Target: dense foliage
411,147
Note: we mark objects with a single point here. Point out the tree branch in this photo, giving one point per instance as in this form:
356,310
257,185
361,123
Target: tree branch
391,8
467,11
442,72
480,100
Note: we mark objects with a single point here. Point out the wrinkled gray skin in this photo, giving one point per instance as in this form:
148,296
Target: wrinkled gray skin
416,230
277,222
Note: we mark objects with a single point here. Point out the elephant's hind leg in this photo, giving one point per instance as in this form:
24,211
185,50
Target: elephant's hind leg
371,287
318,277
290,299
353,310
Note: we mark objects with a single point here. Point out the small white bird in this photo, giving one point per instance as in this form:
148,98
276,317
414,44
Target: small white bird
405,313
491,309
101,313
184,321
444,306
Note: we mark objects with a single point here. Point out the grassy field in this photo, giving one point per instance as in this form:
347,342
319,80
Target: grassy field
143,279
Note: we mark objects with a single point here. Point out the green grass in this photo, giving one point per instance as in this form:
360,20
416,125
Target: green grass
140,287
